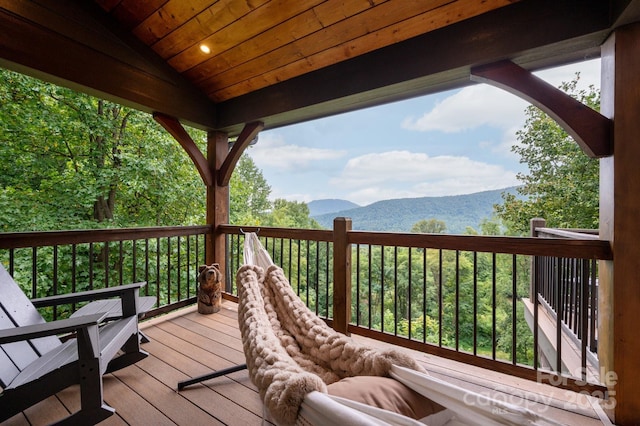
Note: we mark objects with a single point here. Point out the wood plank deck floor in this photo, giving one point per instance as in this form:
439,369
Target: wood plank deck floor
185,344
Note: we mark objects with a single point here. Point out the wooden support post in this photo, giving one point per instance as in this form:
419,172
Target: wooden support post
534,289
217,206
341,275
217,203
533,224
619,289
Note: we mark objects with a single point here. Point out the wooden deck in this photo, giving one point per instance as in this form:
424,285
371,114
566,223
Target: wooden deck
185,344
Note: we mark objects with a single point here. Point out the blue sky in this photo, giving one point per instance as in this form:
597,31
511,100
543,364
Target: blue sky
450,143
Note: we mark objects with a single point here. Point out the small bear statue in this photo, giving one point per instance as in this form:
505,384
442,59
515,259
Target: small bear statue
209,289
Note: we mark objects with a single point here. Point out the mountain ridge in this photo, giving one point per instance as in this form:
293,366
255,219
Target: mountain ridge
329,205
399,215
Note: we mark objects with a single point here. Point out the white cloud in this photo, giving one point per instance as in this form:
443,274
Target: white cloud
300,197
272,151
589,74
401,174
475,112
485,105
471,108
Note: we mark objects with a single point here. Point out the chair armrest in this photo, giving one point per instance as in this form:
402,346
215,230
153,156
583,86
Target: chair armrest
89,295
26,332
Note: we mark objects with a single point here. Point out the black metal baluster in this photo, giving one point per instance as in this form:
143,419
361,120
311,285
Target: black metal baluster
493,307
475,303
440,297
514,310
409,285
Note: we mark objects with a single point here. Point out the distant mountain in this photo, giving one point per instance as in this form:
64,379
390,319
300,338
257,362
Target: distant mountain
320,207
457,211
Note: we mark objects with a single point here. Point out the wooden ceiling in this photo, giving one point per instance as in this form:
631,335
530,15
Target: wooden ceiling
258,43
284,61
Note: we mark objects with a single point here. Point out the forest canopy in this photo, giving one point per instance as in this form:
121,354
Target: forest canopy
72,161
562,183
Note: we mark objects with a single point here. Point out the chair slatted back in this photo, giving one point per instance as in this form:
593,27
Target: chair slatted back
17,310
8,369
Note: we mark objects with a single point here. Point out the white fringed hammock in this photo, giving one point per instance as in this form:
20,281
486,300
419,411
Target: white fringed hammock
292,355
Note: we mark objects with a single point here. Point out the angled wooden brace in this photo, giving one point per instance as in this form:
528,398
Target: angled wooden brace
590,129
247,135
176,130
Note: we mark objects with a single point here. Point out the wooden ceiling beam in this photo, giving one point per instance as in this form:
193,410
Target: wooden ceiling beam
590,129
77,45
436,61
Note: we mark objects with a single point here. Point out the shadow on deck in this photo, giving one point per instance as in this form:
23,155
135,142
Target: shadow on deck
185,344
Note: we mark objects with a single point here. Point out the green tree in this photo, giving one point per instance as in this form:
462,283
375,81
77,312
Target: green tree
68,160
431,226
290,214
249,194
562,183
250,204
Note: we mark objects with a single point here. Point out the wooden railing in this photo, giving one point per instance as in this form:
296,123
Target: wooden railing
456,296
58,262
566,289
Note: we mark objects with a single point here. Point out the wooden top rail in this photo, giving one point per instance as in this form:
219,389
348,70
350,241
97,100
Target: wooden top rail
290,233
582,249
50,238
585,248
588,247
578,234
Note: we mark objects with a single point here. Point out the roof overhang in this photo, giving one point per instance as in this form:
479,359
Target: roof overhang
76,44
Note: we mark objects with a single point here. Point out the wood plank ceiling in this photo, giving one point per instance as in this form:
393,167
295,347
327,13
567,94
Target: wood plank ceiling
286,61
257,43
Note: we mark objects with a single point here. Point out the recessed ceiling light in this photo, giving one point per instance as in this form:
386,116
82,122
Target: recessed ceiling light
205,49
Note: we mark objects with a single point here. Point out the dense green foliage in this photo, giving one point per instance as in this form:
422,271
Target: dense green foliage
249,194
431,295
446,298
431,226
562,183
69,161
